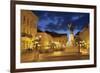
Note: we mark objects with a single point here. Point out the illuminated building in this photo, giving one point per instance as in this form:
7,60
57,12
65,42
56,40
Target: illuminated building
59,40
45,40
62,39
84,36
28,28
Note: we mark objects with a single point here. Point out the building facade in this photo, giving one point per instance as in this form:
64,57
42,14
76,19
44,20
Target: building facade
85,40
28,28
45,40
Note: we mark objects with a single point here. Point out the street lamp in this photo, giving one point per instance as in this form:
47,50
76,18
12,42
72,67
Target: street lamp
37,46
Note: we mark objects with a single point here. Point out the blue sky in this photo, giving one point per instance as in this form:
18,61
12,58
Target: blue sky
58,21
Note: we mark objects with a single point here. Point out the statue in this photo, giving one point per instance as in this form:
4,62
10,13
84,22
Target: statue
71,40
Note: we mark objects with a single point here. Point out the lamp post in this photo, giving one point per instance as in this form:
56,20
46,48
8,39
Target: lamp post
77,41
37,45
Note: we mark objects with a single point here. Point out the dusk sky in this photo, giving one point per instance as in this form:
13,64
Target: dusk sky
58,21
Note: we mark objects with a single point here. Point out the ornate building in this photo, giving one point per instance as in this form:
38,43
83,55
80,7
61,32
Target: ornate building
84,34
28,28
45,40
85,37
59,40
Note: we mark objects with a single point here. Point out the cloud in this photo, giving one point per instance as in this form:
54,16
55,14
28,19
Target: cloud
58,21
